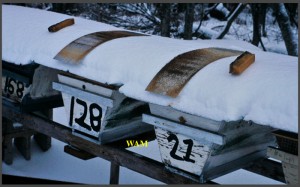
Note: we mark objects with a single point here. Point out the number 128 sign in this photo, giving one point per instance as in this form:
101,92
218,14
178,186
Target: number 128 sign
86,116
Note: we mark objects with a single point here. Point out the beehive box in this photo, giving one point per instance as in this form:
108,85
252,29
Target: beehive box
206,147
99,112
289,164
287,153
29,86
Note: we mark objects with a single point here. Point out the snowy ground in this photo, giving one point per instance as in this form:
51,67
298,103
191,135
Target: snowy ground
57,165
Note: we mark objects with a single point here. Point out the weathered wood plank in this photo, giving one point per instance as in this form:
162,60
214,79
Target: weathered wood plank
78,153
79,48
171,79
290,173
125,158
282,156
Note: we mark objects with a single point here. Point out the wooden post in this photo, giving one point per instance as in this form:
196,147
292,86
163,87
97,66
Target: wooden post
23,145
43,140
7,154
114,173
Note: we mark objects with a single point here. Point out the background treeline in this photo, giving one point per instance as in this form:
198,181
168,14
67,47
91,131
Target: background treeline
259,24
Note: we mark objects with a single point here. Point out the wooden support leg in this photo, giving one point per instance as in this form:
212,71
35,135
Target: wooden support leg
23,145
43,141
7,148
7,151
114,173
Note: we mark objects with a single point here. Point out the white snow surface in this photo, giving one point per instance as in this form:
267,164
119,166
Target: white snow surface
266,93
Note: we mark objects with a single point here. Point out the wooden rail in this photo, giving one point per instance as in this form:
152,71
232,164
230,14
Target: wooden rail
119,156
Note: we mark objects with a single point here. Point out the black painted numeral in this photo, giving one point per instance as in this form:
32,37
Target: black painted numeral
20,89
189,142
9,87
96,118
95,114
174,149
80,121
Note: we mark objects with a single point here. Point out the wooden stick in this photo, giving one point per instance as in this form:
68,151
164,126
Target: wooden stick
241,63
56,27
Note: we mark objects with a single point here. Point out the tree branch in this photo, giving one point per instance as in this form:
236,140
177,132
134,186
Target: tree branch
235,14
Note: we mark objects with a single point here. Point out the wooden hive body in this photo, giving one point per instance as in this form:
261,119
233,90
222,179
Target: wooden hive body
206,147
100,112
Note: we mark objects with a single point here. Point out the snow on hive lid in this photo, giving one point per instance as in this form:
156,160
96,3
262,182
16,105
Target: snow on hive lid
266,93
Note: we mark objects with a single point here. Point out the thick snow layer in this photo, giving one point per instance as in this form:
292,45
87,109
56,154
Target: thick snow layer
265,93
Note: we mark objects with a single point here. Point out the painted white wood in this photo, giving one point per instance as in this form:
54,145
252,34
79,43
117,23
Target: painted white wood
42,82
88,86
199,153
282,156
195,133
176,115
289,164
82,94
290,173
114,106
14,97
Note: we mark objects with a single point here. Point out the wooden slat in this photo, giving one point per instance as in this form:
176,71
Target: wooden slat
78,153
79,48
171,79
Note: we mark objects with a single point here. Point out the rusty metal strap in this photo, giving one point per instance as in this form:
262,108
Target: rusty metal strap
79,48
171,79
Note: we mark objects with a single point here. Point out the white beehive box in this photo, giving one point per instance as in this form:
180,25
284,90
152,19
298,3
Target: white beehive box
98,112
206,147
289,164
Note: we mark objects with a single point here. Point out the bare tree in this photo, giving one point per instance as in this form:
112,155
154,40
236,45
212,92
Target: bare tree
189,20
285,26
258,16
164,10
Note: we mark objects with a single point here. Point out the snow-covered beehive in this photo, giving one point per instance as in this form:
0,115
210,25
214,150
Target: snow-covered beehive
99,112
206,147
23,85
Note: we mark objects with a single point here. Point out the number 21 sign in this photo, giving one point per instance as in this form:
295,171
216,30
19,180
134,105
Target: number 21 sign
181,151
